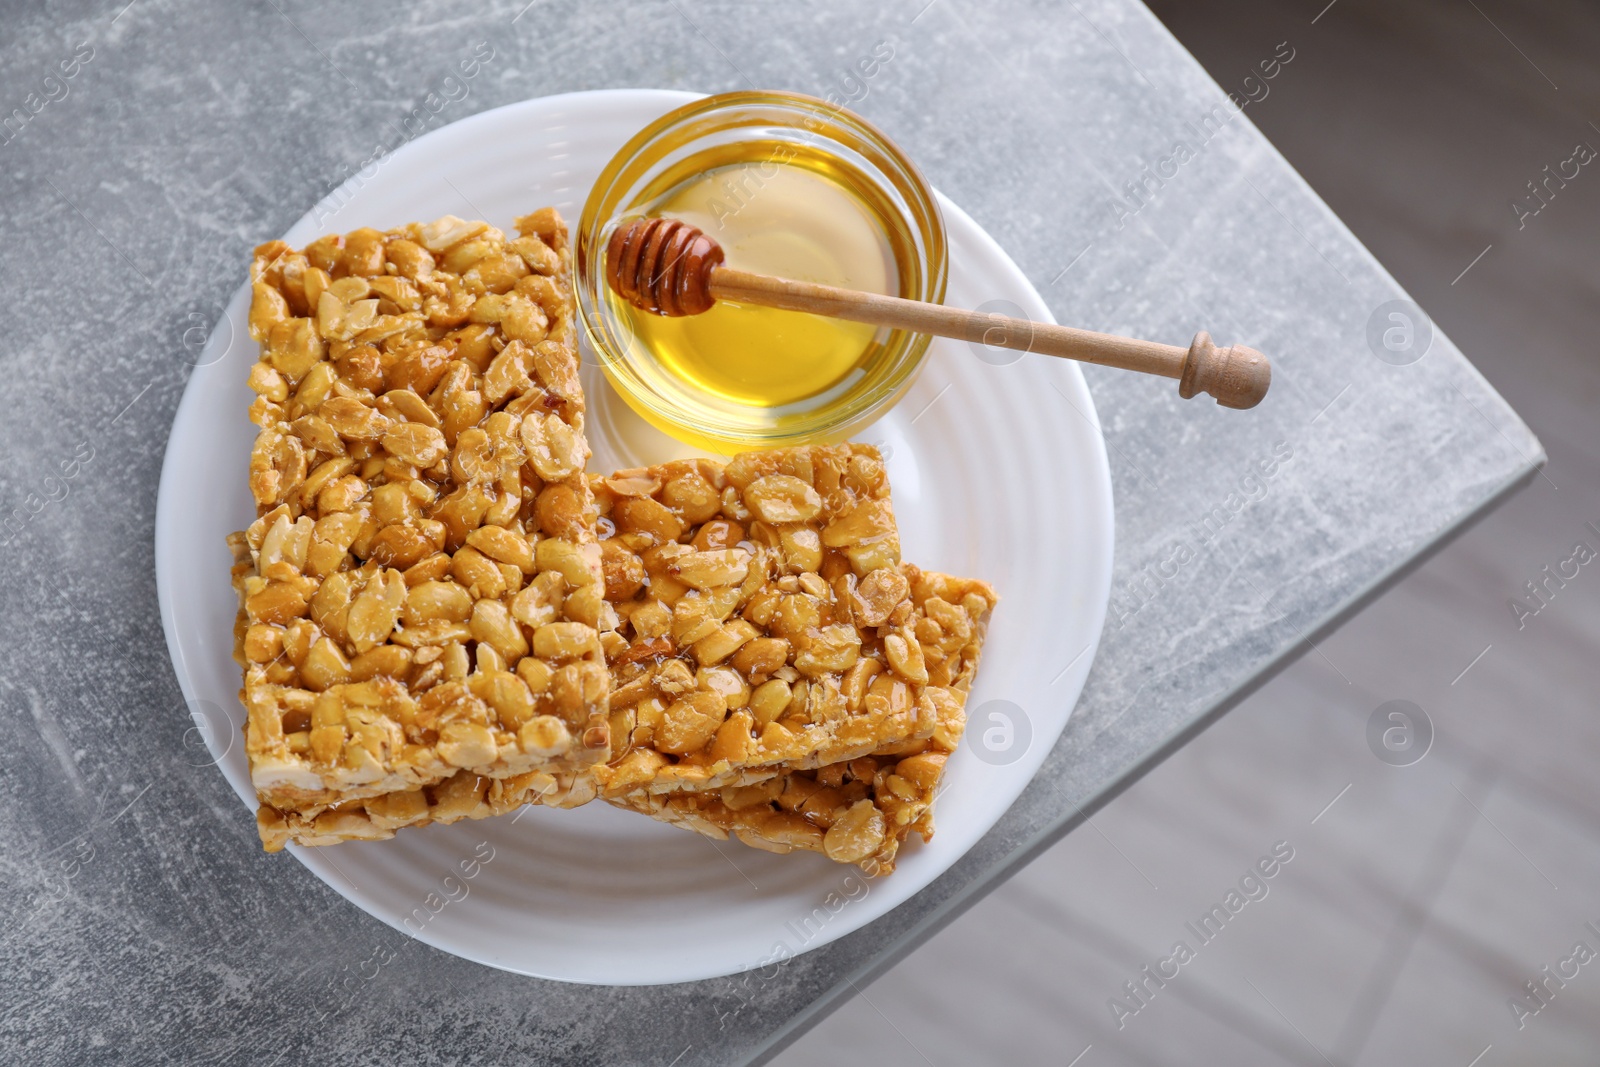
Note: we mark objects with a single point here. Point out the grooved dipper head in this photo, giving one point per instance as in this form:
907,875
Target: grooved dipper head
662,266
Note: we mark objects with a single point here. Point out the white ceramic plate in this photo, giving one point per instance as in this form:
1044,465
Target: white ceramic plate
999,472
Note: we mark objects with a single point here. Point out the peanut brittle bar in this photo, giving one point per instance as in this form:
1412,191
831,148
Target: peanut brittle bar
860,811
763,619
421,593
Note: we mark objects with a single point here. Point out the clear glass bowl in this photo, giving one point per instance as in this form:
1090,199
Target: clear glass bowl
753,126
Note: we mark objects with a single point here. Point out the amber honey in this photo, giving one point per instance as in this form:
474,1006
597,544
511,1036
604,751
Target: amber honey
786,216
787,186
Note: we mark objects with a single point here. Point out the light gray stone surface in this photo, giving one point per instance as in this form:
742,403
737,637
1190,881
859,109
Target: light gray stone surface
141,923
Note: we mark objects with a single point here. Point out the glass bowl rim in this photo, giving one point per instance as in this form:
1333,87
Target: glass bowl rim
920,214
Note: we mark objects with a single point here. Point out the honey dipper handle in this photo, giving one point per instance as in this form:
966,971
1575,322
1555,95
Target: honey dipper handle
1237,376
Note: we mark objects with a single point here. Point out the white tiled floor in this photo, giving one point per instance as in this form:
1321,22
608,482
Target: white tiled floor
1419,903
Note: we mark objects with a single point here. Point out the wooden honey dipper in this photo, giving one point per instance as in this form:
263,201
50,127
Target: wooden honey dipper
668,267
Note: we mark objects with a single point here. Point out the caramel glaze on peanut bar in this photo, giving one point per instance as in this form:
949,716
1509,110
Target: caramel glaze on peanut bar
861,810
763,620
421,596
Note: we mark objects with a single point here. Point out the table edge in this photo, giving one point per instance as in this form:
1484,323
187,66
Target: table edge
947,911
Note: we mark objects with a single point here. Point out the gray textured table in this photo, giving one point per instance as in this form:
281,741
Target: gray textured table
140,922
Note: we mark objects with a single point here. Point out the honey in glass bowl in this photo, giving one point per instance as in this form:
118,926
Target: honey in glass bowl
784,218
788,186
